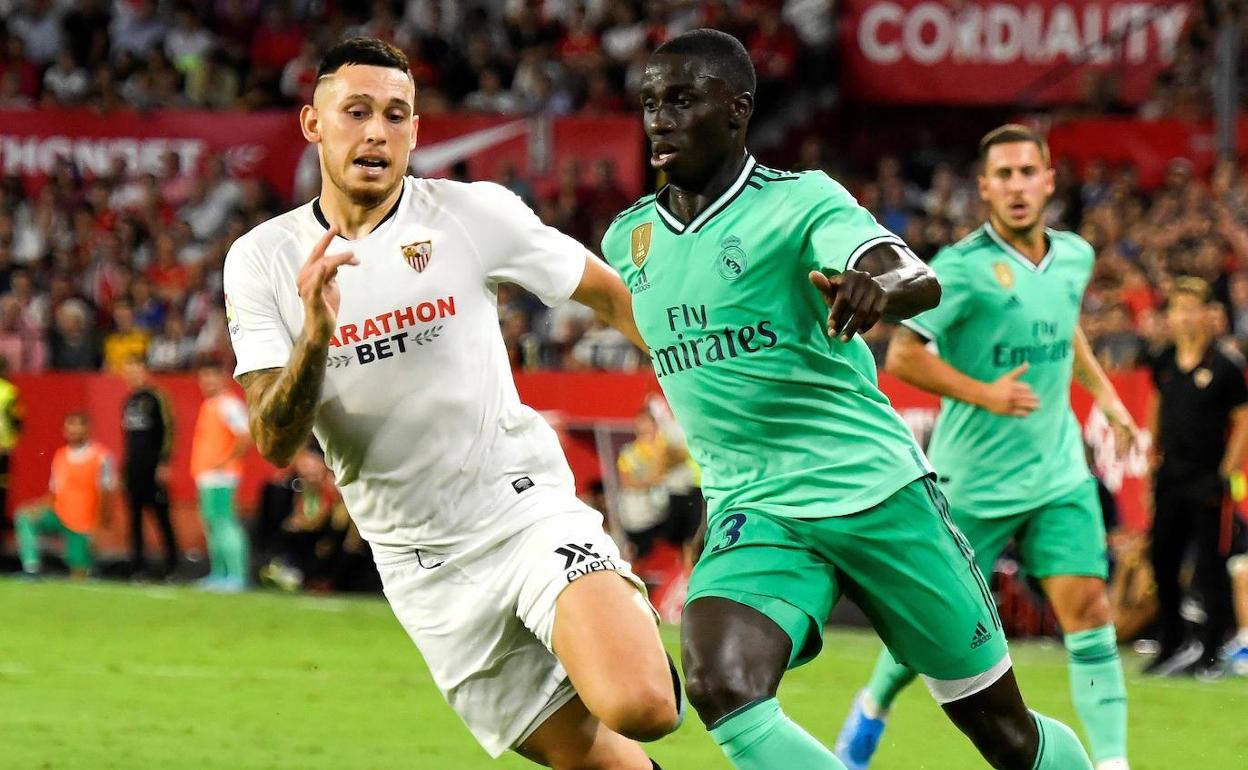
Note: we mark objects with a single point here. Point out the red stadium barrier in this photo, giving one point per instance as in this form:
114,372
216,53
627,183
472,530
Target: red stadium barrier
575,397
1005,52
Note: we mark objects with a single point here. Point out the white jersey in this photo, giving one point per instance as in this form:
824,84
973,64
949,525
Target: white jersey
419,416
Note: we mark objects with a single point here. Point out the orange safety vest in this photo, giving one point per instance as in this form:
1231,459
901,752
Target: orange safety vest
76,487
214,439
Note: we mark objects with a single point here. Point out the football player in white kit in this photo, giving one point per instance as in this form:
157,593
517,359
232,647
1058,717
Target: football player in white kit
369,318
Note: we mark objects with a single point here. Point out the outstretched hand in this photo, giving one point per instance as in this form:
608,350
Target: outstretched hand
318,288
855,301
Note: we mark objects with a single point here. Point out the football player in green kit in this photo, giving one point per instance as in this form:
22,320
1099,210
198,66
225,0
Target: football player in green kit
1007,446
750,286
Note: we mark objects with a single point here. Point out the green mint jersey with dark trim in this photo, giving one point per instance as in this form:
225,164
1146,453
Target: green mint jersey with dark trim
780,418
999,310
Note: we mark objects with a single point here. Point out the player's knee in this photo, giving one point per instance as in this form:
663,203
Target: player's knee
716,692
1006,742
1090,609
642,712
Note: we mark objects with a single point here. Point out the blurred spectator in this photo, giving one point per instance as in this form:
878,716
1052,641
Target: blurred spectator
148,427
136,27
65,83
126,342
73,345
645,464
220,441
39,27
173,349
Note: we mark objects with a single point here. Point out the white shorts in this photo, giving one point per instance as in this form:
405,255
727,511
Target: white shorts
483,619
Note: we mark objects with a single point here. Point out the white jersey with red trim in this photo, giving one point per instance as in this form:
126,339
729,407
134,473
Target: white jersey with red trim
419,416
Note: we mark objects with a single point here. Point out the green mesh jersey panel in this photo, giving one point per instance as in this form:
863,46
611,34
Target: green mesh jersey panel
780,417
997,311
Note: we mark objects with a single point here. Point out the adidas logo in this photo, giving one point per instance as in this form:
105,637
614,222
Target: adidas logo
1013,302
981,637
575,554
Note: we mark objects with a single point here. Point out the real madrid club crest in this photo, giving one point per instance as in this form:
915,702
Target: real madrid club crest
1202,377
641,243
731,262
418,255
1004,275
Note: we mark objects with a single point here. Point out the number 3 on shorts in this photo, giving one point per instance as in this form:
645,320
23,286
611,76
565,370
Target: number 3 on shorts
731,528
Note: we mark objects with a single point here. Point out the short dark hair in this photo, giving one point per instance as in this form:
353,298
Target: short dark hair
362,50
1008,134
727,58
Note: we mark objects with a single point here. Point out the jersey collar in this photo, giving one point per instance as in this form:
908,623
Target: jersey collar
1020,256
719,204
320,215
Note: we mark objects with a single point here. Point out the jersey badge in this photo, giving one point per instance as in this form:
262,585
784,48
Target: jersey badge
731,262
641,243
1004,275
418,255
1202,378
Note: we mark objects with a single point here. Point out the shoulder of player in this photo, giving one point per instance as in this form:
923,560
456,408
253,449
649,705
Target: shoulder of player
444,193
269,236
1073,242
636,209
1229,356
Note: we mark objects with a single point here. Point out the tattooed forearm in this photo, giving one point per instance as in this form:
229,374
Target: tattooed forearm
283,401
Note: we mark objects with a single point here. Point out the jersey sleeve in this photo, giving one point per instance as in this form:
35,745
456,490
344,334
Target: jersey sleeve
955,299
259,337
1236,390
516,247
234,414
835,229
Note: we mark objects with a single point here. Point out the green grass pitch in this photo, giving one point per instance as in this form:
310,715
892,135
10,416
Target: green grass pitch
99,676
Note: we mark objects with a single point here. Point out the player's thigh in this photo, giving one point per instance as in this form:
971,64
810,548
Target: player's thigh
580,598
460,610
912,572
769,564
574,739
1063,545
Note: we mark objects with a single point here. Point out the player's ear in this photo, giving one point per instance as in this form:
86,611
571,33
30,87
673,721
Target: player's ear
310,123
742,107
1050,180
982,181
415,130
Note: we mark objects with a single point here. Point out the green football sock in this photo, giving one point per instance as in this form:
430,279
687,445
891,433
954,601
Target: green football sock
887,681
234,544
28,542
227,542
1098,690
760,737
1060,748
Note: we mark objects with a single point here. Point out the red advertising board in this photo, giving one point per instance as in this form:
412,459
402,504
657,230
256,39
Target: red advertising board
1148,147
1005,52
270,145
264,144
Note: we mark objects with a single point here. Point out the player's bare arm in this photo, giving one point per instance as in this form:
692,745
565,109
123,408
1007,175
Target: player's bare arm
910,360
884,284
283,402
1092,377
602,291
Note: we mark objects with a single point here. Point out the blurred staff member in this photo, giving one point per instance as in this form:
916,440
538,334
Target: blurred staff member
10,429
1200,427
148,424
221,439
81,486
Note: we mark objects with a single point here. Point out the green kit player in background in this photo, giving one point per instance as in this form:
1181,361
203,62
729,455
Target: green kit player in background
1007,446
749,287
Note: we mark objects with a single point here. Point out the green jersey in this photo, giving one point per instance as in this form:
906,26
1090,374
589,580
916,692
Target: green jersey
999,310
780,417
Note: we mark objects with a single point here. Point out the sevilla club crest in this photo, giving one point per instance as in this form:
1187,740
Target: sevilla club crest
418,255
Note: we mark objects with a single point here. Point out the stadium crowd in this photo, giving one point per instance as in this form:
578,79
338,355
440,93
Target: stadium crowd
95,269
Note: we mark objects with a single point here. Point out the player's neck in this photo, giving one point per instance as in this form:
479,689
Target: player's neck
1031,243
355,220
688,202
1189,350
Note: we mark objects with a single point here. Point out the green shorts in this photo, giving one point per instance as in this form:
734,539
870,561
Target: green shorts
1065,536
903,562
